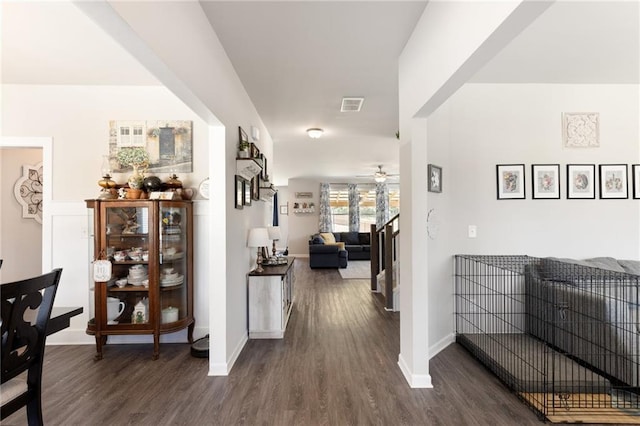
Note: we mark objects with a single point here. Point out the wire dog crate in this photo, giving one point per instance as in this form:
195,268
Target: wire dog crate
564,337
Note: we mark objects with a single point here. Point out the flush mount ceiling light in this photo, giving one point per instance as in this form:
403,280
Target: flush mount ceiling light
314,132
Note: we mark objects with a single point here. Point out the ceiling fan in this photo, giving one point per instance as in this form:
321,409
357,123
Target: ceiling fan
380,175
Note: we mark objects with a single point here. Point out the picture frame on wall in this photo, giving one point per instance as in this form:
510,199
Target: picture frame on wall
614,183
284,209
510,181
435,178
255,188
581,181
545,181
239,192
636,180
246,191
254,151
263,173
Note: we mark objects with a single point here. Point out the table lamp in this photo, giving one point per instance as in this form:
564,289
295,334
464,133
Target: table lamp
274,235
258,238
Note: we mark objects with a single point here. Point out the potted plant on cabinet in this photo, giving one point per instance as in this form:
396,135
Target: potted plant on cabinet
138,159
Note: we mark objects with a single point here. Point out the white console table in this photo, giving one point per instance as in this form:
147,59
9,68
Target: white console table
270,300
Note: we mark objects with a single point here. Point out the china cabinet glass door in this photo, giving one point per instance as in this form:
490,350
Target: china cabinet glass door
174,257
128,245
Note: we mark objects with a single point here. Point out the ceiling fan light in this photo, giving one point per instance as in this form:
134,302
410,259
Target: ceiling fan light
314,132
380,178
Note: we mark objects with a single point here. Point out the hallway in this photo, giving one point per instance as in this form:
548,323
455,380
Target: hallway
335,366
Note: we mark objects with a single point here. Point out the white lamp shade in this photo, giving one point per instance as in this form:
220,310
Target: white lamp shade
258,237
274,232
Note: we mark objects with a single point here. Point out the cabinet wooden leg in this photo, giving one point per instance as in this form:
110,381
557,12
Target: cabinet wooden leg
100,342
156,347
190,331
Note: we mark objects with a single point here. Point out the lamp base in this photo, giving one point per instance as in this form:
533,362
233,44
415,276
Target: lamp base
259,269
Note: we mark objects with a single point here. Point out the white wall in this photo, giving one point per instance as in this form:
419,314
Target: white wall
451,42
523,125
21,238
302,225
283,219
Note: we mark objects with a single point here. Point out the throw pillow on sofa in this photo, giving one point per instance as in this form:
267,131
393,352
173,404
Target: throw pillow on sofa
364,238
328,237
350,238
317,239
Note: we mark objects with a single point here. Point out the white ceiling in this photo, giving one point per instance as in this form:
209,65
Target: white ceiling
297,59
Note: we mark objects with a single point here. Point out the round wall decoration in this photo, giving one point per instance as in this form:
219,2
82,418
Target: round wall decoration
203,189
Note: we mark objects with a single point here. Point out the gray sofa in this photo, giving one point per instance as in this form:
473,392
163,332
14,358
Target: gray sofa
589,309
327,256
357,244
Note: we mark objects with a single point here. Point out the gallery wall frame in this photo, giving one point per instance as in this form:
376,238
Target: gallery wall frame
246,192
636,180
581,181
435,178
239,192
510,181
545,181
614,183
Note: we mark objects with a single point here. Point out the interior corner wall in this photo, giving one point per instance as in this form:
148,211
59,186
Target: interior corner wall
487,124
283,219
22,237
302,225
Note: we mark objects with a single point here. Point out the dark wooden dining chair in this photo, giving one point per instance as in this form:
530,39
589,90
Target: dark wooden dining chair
23,342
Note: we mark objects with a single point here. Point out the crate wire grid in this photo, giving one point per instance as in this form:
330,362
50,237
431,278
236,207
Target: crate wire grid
559,346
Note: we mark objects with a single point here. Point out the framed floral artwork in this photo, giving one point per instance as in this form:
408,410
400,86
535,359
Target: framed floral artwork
510,181
613,181
581,181
435,178
545,180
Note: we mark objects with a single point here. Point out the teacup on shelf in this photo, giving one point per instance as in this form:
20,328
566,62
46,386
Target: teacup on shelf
121,282
119,256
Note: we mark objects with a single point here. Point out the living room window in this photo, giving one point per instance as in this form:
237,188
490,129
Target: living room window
339,203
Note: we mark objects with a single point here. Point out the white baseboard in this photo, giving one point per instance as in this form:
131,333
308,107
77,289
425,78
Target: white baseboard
223,369
443,343
415,380
80,337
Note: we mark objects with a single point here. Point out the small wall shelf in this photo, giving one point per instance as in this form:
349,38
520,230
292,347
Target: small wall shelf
307,210
247,168
267,193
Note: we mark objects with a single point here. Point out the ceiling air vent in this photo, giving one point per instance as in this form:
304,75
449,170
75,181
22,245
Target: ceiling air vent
351,104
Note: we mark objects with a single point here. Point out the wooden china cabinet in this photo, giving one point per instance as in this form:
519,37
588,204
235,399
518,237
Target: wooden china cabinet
150,246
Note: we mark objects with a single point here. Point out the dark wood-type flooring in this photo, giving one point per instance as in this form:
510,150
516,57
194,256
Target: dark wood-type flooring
337,365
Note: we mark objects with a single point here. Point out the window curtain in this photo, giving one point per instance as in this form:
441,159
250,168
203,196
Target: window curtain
324,224
382,204
274,221
354,208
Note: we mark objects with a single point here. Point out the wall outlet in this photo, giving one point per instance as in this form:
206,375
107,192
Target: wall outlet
473,231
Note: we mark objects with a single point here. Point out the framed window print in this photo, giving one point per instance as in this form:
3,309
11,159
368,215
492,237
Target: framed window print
435,178
510,181
581,181
636,180
239,192
613,181
545,179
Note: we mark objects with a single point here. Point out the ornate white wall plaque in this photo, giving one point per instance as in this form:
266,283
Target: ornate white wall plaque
581,129
28,192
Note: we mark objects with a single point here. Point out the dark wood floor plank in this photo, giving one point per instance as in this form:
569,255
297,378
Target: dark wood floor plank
337,365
